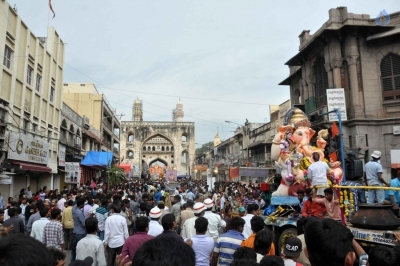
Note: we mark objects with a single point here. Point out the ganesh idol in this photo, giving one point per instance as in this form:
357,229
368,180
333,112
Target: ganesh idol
292,151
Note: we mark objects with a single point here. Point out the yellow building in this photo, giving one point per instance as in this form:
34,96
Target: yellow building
84,99
30,94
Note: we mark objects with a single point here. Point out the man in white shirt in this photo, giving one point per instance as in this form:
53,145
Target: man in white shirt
116,232
60,203
155,227
91,245
188,229
252,210
38,226
317,173
96,204
214,220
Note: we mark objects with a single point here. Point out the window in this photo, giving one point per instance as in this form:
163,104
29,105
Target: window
130,137
29,74
38,82
129,154
321,82
184,138
390,75
7,57
25,125
52,93
144,148
297,98
48,135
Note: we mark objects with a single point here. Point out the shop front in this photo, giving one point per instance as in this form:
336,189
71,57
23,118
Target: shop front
28,161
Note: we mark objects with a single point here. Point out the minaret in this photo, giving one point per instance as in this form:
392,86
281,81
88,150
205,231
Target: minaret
137,112
217,140
178,112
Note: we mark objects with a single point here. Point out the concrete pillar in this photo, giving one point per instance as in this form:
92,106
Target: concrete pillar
336,64
356,110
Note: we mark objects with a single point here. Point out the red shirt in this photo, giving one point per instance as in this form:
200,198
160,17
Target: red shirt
313,208
133,243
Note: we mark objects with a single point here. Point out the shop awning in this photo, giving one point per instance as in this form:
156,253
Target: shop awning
32,167
98,159
125,167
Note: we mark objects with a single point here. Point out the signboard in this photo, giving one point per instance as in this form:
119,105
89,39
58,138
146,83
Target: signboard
171,176
72,173
254,171
395,158
374,236
24,147
135,170
6,179
396,130
336,100
61,155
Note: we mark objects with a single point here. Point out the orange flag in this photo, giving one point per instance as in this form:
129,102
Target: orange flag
51,8
335,130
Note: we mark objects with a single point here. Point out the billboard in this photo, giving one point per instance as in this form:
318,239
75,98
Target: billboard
336,100
72,173
171,176
24,147
61,155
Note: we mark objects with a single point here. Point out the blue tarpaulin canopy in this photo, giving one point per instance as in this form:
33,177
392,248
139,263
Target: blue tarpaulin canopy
97,159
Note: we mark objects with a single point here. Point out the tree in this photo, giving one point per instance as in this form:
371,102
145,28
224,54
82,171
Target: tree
206,147
115,176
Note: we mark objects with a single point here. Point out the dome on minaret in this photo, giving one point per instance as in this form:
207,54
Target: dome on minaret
178,112
137,112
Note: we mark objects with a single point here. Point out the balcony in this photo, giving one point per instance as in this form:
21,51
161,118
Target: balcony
107,124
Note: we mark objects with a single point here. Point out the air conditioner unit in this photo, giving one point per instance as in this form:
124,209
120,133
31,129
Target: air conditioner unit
77,141
86,122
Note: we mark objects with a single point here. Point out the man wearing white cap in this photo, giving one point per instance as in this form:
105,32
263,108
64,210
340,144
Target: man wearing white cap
214,220
188,229
373,177
155,227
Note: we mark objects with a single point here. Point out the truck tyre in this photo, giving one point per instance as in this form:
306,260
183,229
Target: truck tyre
290,232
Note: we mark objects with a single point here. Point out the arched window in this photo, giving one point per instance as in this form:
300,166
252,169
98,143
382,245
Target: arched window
321,82
167,148
144,148
129,154
78,132
130,137
154,148
297,97
64,124
71,128
162,148
184,157
184,137
390,76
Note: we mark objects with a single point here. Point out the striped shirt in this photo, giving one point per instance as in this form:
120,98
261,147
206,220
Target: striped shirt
248,201
226,245
101,215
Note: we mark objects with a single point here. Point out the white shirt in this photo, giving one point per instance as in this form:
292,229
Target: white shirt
214,223
317,173
60,204
38,228
247,226
155,228
116,231
188,229
93,209
91,246
289,262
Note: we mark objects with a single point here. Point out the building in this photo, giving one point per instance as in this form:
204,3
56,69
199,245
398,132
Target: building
147,144
362,55
85,100
30,95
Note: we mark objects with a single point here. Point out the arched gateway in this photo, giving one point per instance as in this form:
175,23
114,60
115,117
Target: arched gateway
154,147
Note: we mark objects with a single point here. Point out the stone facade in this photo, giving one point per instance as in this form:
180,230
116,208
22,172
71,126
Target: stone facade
351,51
171,143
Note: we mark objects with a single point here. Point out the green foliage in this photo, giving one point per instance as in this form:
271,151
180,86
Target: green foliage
204,148
115,175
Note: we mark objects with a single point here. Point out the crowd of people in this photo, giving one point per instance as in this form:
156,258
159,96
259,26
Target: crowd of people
144,223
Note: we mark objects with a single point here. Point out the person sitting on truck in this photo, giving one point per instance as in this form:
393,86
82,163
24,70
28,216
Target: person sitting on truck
373,177
312,208
331,204
330,243
393,196
299,208
317,173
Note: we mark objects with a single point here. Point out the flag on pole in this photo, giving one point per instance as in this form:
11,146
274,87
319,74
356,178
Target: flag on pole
51,8
334,130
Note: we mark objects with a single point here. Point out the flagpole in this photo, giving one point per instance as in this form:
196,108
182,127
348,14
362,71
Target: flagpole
339,115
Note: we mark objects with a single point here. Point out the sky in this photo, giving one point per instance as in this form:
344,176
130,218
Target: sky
223,58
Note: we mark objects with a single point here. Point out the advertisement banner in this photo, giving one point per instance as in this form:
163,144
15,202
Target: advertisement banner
61,155
233,172
72,173
336,100
6,179
24,147
254,171
171,176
